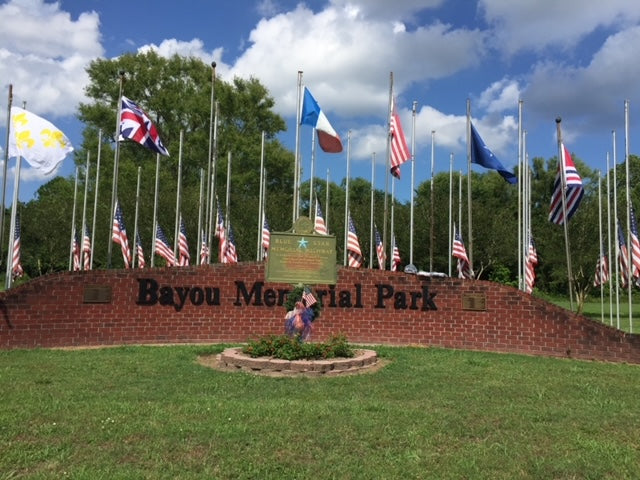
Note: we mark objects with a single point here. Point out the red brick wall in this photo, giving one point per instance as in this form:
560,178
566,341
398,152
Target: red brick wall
368,306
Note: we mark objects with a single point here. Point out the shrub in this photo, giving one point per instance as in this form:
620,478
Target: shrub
287,348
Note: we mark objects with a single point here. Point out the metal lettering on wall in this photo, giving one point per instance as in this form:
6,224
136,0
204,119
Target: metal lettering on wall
97,294
474,301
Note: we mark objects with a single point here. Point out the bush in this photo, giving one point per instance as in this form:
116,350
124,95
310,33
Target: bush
287,348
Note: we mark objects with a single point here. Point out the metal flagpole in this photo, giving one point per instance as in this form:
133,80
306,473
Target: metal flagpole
95,198
565,223
155,211
470,232
261,201
210,158
116,160
371,210
4,168
134,257
616,230
346,199
326,203
521,229
296,168
73,221
524,228
628,196
393,220
600,263
609,257
178,196
228,195
432,222
413,163
84,208
212,179
200,204
313,170
387,166
450,207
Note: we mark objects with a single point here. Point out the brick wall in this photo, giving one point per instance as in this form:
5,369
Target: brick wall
230,303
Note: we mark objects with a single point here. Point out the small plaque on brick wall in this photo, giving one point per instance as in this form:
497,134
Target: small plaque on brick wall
474,301
97,294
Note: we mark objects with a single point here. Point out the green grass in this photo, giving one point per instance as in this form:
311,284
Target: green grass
154,413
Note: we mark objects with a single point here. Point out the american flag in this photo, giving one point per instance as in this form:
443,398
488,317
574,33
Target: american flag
532,261
354,254
602,269
460,252
136,125
16,266
319,226
230,252
266,237
86,249
76,251
574,190
399,150
183,246
395,259
222,237
623,257
379,249
139,252
204,249
162,247
635,244
119,235
308,297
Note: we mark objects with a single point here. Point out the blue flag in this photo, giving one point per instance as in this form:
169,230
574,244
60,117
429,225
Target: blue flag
481,155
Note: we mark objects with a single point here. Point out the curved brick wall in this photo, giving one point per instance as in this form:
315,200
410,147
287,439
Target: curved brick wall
228,303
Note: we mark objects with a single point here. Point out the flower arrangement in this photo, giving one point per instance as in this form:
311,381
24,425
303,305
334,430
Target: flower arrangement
302,309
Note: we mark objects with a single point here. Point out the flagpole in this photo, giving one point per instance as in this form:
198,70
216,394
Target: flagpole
346,199
210,158
413,162
12,228
450,207
296,167
432,224
73,220
4,167
387,166
469,233
95,198
264,213
178,196
313,169
565,222
615,219
326,203
155,211
116,159
201,202
628,196
228,196
521,241
524,228
260,201
212,179
371,209
393,220
609,243
600,262
84,208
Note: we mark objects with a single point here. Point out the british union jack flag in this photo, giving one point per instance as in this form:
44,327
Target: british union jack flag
136,125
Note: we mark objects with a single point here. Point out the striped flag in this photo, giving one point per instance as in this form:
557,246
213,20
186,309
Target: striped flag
460,252
16,266
602,270
222,237
140,252
162,247
119,235
183,246
399,150
230,254
635,245
532,261
136,125
395,259
574,190
86,249
204,250
319,226
354,254
379,249
77,266
623,257
308,297
266,237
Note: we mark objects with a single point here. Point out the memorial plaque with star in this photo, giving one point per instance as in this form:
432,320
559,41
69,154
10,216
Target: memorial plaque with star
302,258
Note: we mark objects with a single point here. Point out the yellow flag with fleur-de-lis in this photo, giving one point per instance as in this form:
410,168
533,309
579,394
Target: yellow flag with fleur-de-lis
37,140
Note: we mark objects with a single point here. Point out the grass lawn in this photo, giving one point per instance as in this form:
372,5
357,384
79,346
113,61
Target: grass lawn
154,413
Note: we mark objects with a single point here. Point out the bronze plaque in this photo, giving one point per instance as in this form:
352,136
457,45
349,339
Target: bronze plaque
97,294
474,301
295,258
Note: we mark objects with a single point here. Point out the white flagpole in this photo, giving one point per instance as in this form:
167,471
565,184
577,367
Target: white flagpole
524,227
565,222
326,203
155,212
134,257
212,179
413,163
521,229
4,167
450,208
393,220
469,209
259,255
601,250
616,230
116,160
12,228
210,158
178,196
387,166
432,222
313,170
346,200
228,196
201,201
371,210
628,196
95,198
84,210
73,221
296,168
609,257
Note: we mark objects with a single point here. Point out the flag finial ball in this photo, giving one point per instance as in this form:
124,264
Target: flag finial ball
213,64
558,119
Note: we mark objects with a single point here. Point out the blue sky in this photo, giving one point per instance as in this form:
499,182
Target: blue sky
576,59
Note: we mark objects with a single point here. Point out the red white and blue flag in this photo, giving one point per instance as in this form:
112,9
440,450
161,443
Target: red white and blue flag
136,125
139,252
395,259
354,254
16,266
399,150
119,235
86,249
266,237
635,245
77,265
573,189
379,249
532,261
162,247
602,269
623,257
460,252
222,237
183,246
319,226
313,115
308,297
230,254
204,249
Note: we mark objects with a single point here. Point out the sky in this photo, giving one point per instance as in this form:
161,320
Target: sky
575,59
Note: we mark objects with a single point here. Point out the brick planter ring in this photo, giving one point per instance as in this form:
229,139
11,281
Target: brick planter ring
234,359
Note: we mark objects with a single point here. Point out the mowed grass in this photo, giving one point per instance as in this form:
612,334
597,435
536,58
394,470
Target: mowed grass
155,413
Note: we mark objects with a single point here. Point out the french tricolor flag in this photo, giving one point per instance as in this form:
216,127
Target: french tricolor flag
311,114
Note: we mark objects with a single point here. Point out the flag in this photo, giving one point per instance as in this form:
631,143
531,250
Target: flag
16,266
86,249
162,247
399,150
119,235
395,258
532,261
379,249
266,236
481,155
460,252
602,269
183,246
76,251
319,226
139,252
136,125
313,115
36,140
574,190
635,245
230,253
354,254
204,250
308,297
222,237
623,257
